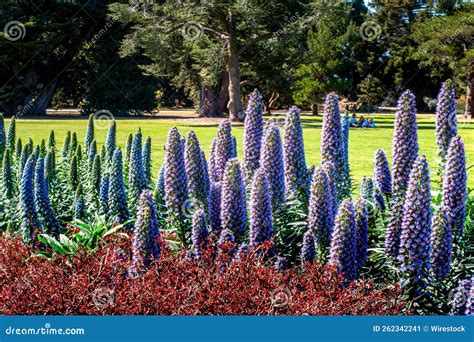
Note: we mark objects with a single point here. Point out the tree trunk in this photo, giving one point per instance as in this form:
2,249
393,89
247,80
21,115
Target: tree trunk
38,105
223,94
235,98
314,109
469,113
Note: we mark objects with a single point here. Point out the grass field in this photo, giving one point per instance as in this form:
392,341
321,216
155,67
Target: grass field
362,143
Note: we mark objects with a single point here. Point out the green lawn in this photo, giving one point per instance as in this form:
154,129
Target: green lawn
362,144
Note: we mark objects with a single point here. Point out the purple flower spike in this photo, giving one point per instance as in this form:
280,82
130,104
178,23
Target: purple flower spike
344,243
308,251
271,161
199,233
361,232
332,149
146,233
404,153
446,123
215,206
261,227
233,207
253,130
455,186
462,299
195,172
414,253
224,149
176,190
441,240
382,175
320,210
296,172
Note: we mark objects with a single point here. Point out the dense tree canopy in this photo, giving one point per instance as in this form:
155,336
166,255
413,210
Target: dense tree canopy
130,57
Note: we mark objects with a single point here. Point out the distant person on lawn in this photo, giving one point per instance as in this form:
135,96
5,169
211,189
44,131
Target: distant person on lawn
353,121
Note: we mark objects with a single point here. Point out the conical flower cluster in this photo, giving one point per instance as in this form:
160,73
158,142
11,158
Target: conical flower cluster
215,206
3,137
111,141
8,179
261,227
462,298
195,170
441,244
233,207
455,186
146,155
382,175
446,123
362,238
346,180
223,150
79,203
11,134
404,153
89,137
199,233
296,172
344,243
367,189
104,194
116,198
146,233
414,252
320,210
30,223
176,189
308,250
136,174
271,162
48,219
253,130
332,148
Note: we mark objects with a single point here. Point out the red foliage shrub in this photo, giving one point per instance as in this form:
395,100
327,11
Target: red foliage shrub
98,284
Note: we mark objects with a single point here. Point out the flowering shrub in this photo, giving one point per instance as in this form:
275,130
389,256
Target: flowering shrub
98,284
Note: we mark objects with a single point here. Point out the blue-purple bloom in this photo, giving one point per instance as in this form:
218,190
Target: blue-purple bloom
271,162
116,198
362,238
308,249
414,253
136,174
404,153
344,241
110,141
176,189
146,155
89,137
455,186
320,210
195,170
382,175
43,205
104,194
296,172
215,206
233,205
30,223
441,244
253,130
199,233
223,150
146,233
462,299
261,227
446,123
